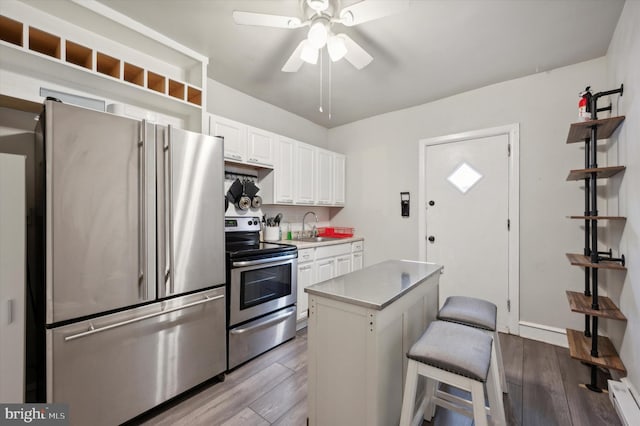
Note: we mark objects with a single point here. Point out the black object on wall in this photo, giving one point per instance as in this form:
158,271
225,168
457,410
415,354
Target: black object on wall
404,204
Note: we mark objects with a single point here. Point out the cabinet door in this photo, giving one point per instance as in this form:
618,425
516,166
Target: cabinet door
284,171
343,265
324,177
325,269
305,174
234,134
260,147
339,180
305,279
357,261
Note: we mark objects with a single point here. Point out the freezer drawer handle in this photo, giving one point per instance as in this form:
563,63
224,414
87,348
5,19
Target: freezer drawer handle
142,318
261,261
279,318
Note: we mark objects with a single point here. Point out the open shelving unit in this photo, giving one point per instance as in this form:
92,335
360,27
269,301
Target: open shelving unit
100,53
587,345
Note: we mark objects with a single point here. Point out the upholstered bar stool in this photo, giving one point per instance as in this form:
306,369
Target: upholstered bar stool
459,356
479,314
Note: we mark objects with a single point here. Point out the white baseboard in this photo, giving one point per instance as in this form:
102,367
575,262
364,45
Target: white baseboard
544,333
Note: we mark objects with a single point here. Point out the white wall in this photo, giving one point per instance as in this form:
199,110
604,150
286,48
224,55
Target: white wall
230,103
382,155
623,62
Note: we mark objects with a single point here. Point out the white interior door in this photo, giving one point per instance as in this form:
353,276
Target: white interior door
467,209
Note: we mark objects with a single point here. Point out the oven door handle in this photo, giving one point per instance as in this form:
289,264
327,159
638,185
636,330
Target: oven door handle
266,323
262,261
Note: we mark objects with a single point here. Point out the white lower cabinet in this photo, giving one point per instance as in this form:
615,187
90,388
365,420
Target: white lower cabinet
357,255
306,275
323,263
343,265
357,261
325,269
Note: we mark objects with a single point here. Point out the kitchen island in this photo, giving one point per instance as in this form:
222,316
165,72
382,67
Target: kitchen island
360,327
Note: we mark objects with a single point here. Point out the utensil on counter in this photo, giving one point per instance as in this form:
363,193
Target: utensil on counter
277,219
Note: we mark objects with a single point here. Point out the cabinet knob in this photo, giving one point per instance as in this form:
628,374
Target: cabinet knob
431,238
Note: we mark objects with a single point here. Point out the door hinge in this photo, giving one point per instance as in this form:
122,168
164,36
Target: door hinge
509,305
508,150
508,224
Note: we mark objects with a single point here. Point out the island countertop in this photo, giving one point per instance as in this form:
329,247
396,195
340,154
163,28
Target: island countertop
376,286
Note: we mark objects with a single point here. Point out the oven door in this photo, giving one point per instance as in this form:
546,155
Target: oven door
261,286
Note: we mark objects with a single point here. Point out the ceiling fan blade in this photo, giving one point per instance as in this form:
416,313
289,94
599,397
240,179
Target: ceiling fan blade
358,57
368,10
294,62
264,20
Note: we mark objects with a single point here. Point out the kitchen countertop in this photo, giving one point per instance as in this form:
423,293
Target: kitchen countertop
309,244
376,286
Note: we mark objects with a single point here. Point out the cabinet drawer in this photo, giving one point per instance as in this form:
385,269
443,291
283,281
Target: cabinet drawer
305,255
357,246
333,250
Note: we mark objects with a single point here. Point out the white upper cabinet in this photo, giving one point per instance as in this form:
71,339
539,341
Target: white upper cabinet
234,134
305,173
284,171
339,180
260,148
324,177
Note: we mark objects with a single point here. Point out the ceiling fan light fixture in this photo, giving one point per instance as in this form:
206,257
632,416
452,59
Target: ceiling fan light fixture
309,54
336,47
318,34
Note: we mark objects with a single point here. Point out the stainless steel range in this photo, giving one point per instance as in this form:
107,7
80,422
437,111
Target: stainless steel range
261,289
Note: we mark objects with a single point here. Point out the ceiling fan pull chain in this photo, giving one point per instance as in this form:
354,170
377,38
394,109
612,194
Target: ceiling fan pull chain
321,55
330,90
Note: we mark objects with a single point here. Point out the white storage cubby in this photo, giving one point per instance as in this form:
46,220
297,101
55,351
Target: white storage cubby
103,54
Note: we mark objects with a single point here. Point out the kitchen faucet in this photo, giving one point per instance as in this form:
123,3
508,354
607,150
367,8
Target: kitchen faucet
303,219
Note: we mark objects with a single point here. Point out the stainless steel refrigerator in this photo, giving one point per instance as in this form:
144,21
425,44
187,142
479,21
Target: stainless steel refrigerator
134,266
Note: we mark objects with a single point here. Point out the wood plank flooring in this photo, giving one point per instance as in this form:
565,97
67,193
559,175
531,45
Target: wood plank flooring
272,390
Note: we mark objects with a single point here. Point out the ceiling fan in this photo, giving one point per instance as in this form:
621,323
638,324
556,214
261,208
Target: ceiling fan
320,15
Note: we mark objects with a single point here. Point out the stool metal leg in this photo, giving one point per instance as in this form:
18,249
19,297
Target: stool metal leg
498,351
409,398
496,405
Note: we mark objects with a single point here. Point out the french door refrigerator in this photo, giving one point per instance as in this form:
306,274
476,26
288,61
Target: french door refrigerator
134,271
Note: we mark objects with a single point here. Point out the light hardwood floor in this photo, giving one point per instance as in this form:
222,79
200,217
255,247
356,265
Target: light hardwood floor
272,390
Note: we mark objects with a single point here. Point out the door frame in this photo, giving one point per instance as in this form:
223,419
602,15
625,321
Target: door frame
513,133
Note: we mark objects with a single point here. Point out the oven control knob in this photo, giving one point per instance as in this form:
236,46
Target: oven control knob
250,223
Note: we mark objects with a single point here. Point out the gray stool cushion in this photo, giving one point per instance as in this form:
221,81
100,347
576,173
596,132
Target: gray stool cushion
455,348
469,311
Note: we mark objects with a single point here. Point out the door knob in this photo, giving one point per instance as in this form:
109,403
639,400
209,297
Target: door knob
432,203
431,238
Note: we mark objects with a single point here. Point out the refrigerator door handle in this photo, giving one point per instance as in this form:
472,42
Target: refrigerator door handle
142,231
92,330
168,217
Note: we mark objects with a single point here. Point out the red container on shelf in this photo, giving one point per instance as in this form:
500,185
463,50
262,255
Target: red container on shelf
336,232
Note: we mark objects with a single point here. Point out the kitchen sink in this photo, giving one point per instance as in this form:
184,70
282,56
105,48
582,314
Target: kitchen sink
318,239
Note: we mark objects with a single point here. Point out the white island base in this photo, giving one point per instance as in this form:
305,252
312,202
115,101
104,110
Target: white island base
360,327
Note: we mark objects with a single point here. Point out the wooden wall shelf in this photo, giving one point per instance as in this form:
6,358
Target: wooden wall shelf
598,217
578,132
176,89
582,260
194,95
156,82
582,304
602,172
580,349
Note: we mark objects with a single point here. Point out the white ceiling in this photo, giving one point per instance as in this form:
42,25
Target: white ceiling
435,49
